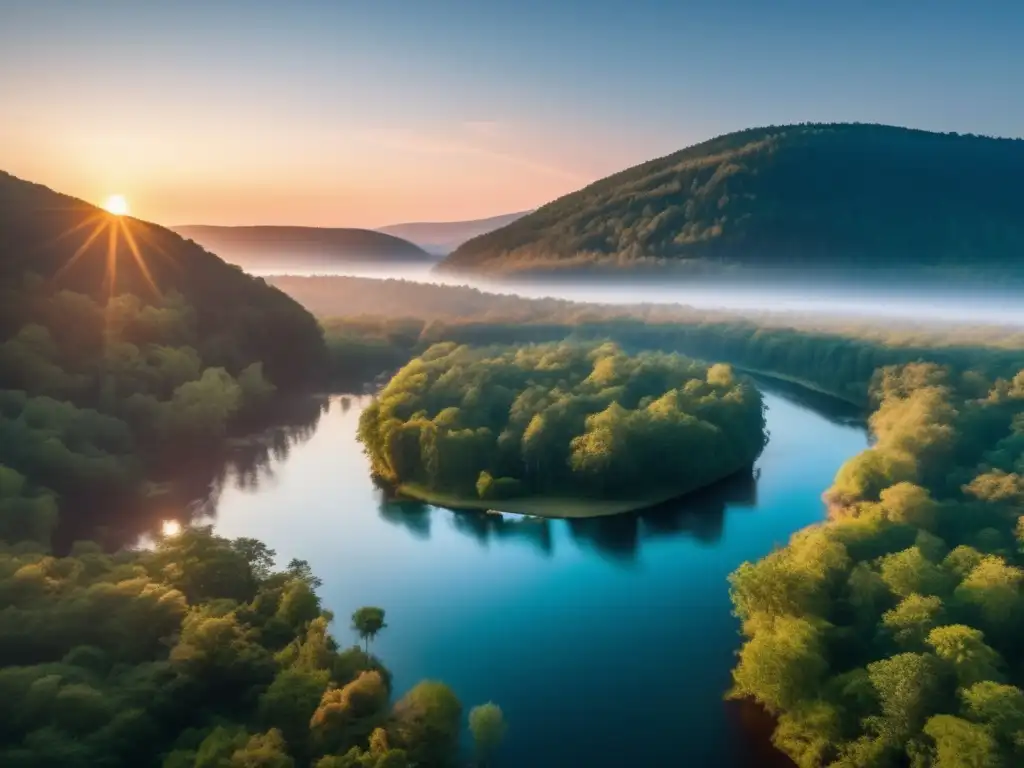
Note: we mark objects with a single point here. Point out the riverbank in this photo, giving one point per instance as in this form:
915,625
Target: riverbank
804,383
557,507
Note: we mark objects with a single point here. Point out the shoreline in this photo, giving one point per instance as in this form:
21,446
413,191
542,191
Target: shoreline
557,507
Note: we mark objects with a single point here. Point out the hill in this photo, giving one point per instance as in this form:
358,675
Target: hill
274,247
443,237
127,354
843,196
78,247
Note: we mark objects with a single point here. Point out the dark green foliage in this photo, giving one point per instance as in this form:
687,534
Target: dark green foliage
564,419
124,348
891,634
188,656
115,366
426,724
800,196
487,724
367,622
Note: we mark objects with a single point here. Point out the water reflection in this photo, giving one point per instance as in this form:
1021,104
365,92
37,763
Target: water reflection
617,538
250,463
827,407
414,516
550,598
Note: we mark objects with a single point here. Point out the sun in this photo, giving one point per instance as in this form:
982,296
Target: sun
170,528
117,205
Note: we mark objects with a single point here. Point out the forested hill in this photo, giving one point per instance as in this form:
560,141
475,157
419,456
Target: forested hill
843,196
273,247
125,352
75,246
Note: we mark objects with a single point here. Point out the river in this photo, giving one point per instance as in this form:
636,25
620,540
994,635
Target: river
606,642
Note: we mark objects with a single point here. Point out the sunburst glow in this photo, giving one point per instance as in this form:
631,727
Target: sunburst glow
117,205
170,528
114,227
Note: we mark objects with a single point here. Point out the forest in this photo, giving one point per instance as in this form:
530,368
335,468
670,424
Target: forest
886,636
798,197
126,352
561,420
379,325
119,358
200,654
890,635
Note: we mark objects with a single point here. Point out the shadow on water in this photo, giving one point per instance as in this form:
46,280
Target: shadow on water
617,538
830,408
414,516
699,515
483,527
196,484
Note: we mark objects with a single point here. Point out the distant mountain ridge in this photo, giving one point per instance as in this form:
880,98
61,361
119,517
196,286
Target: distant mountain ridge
443,237
272,247
803,197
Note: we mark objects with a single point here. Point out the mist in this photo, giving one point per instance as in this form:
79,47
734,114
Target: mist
896,299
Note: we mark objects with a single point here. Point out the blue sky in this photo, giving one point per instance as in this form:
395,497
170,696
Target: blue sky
372,112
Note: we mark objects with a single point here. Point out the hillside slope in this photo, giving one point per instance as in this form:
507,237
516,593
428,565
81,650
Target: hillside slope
75,246
443,237
280,247
842,195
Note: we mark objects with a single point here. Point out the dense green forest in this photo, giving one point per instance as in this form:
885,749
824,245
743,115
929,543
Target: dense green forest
798,197
199,654
272,247
561,420
123,349
890,635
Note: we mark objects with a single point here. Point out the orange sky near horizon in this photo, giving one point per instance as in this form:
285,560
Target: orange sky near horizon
367,114
272,175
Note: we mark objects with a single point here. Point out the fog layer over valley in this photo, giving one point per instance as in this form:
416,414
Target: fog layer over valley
951,305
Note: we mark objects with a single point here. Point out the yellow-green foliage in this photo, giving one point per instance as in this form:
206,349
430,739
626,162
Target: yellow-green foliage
581,419
906,651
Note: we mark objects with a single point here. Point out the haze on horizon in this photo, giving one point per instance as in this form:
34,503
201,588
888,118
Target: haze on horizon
353,114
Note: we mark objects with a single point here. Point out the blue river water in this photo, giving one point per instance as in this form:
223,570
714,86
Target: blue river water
606,642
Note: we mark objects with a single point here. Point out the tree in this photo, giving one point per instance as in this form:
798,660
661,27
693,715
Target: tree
992,593
427,723
264,750
290,701
487,724
909,572
910,622
1001,707
368,621
782,666
347,716
962,744
908,503
964,649
907,686
809,734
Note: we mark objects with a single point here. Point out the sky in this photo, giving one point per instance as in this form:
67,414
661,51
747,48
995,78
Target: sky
374,112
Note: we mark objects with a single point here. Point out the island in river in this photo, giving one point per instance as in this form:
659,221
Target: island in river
560,430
